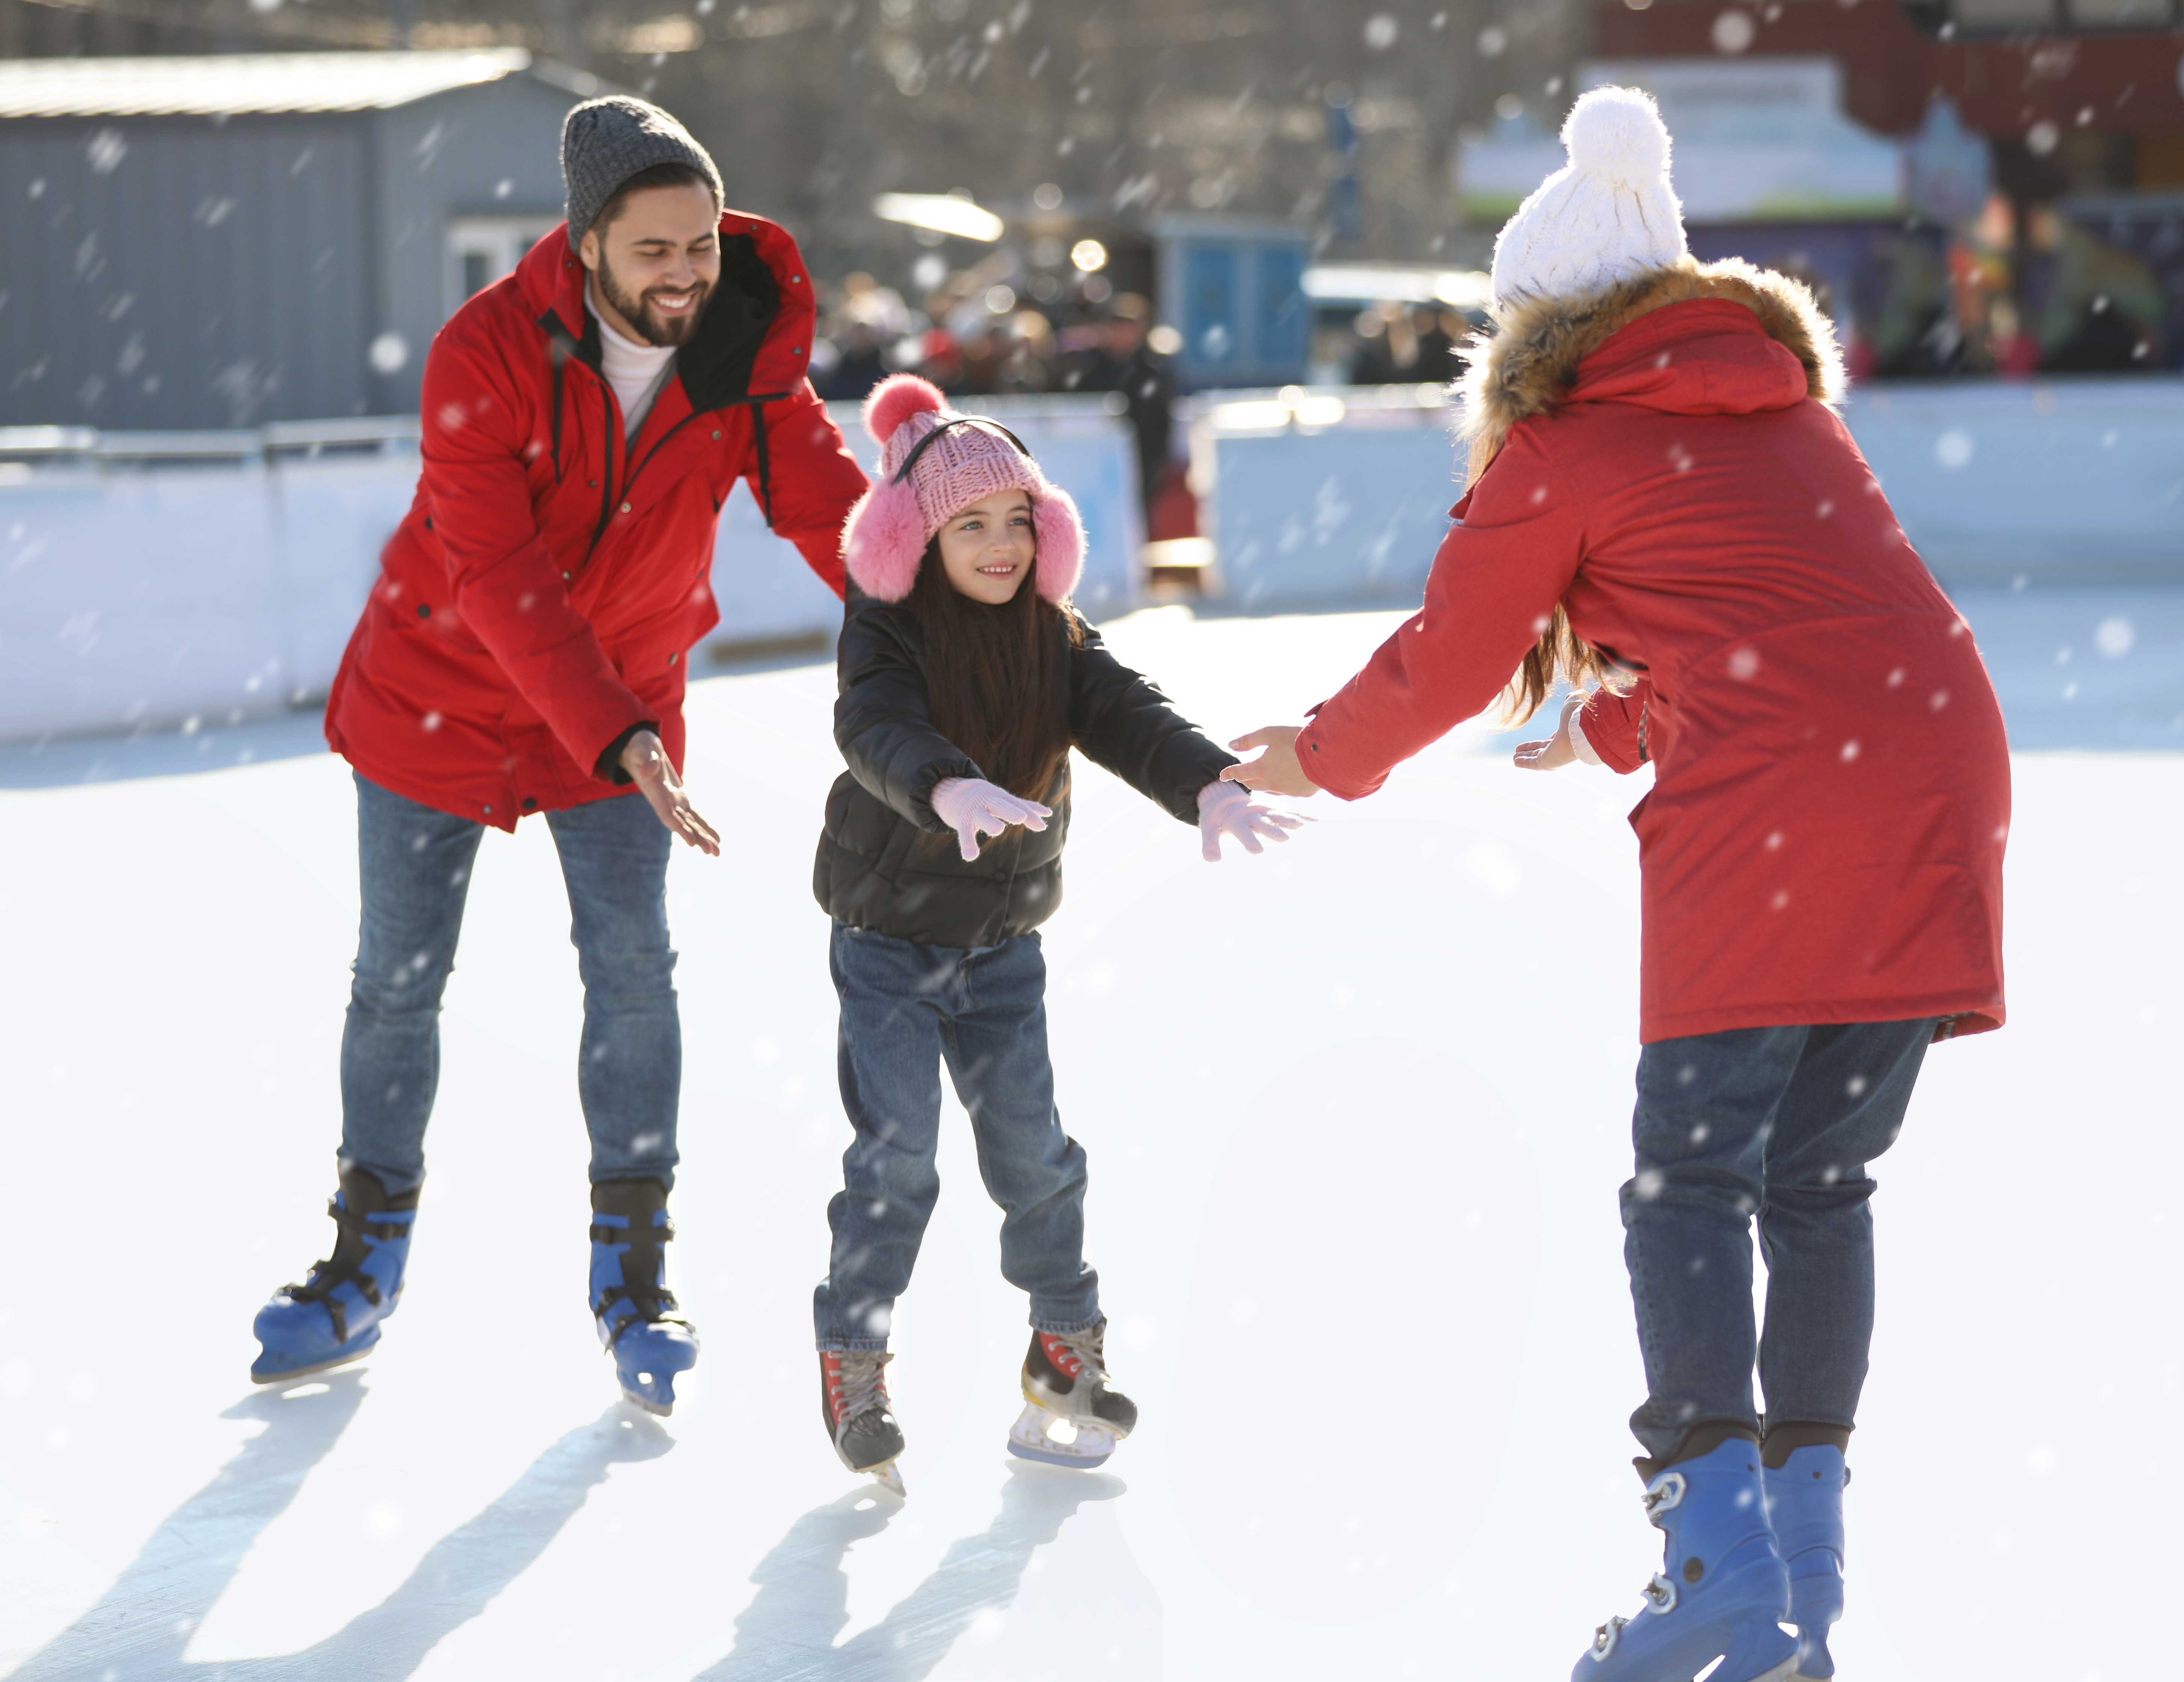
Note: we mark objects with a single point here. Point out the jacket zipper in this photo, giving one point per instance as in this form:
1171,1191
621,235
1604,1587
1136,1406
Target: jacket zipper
758,426
606,476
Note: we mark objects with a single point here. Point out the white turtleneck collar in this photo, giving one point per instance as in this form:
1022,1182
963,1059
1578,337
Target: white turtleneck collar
635,370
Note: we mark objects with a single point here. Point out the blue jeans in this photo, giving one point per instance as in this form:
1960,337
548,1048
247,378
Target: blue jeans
1780,1122
906,1008
415,862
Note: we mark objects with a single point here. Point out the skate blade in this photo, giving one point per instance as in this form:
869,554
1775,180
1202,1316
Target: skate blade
889,1477
1041,1434
290,1374
659,1410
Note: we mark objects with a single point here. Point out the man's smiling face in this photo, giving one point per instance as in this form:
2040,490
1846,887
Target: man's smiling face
657,261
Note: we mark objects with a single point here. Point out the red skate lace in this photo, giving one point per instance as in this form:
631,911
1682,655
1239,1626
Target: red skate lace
1077,1357
857,1381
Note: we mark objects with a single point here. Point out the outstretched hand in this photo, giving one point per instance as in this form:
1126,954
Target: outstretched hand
649,766
1557,750
1275,771
1225,808
972,807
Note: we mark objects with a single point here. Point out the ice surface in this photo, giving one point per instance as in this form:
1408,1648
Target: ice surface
1357,1116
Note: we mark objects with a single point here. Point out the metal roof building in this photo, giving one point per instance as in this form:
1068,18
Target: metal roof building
223,242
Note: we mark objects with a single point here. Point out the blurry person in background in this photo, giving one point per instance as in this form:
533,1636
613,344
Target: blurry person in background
1915,331
523,650
985,348
1127,362
868,319
1435,360
1026,364
859,364
2011,351
2097,306
1373,363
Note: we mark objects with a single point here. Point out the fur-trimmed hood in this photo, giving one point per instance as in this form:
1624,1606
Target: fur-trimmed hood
1529,365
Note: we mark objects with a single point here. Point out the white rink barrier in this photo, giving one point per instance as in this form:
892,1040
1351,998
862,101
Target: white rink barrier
150,579
1320,497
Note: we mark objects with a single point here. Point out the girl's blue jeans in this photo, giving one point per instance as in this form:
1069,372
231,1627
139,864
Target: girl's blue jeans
415,863
906,1009
1779,1123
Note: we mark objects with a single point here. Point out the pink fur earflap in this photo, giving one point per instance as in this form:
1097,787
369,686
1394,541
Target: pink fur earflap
883,540
1060,531
894,400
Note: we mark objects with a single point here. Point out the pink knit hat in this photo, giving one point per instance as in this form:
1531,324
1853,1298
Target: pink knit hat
884,537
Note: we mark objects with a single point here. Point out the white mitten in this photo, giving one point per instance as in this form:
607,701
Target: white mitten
1228,809
972,806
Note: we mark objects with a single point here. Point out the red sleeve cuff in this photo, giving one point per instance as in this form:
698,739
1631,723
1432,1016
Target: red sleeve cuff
1324,766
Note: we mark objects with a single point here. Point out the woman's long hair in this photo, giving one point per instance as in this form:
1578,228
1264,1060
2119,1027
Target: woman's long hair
997,678
1560,656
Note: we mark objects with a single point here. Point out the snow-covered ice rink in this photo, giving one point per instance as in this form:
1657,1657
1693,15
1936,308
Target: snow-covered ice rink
1357,1114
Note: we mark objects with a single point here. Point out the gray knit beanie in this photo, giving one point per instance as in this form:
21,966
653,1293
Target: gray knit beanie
605,141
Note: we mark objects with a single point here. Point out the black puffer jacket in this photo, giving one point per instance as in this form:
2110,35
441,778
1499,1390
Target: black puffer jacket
888,864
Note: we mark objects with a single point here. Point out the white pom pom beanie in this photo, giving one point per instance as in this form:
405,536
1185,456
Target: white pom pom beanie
1607,215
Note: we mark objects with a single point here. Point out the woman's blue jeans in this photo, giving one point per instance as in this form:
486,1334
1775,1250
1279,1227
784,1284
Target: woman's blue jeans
415,862
1778,1123
906,1009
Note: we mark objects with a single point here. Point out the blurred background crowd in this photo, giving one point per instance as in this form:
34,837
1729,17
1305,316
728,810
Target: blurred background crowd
227,204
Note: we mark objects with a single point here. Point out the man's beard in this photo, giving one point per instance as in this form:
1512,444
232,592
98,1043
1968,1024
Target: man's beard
653,328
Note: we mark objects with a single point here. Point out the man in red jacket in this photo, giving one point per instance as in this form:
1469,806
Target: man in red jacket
523,651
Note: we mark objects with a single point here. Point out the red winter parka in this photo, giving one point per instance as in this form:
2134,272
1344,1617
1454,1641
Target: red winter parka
536,606
1823,842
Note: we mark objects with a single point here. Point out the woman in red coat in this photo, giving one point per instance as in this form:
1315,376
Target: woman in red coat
1665,512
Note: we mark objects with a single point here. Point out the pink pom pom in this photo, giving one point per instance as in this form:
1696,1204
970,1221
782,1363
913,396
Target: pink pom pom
883,541
895,399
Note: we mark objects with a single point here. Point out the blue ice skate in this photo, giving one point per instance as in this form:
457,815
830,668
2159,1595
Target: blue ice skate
333,1316
635,1311
1804,1508
1723,1591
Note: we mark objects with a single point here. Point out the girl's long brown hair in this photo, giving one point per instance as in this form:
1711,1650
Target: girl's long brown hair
997,678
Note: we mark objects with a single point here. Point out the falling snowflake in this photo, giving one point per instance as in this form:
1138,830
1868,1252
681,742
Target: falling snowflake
2113,637
1734,31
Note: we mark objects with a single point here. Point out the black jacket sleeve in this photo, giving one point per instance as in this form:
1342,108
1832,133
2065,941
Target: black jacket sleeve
880,723
1120,721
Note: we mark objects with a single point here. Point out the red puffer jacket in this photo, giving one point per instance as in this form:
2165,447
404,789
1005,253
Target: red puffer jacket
535,606
1824,840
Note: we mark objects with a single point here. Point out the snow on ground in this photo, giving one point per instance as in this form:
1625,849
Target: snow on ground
1357,1116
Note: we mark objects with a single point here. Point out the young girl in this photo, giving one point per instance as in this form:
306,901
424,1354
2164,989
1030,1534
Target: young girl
965,678
1673,512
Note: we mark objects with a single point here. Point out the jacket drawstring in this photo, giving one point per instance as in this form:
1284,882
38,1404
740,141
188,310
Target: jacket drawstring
560,358
765,464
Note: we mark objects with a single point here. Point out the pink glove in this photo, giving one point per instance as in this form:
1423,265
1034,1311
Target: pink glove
1228,809
972,806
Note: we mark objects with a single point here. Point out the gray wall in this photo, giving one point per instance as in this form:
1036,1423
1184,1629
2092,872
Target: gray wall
443,157
209,274
210,278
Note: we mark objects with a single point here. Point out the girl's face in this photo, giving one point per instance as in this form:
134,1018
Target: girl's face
986,549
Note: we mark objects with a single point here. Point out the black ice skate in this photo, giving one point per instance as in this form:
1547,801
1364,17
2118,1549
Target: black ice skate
1070,1417
853,1398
